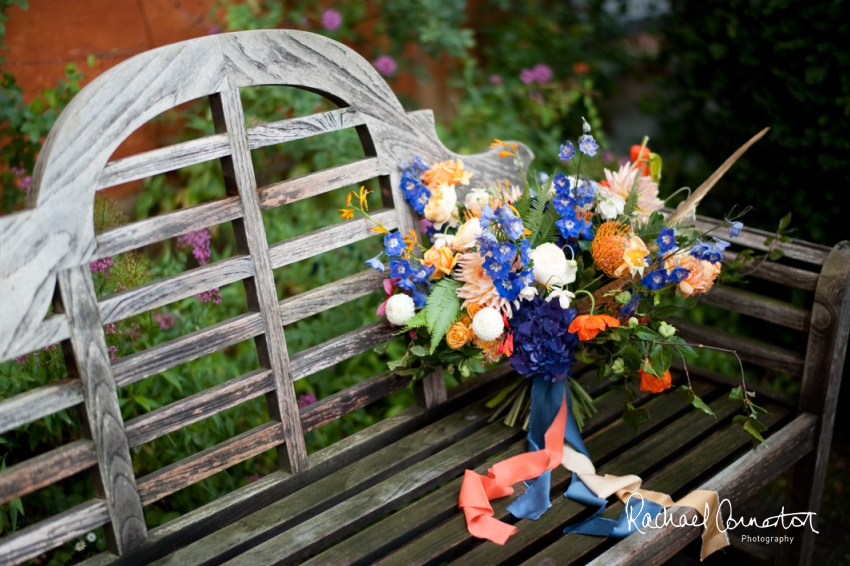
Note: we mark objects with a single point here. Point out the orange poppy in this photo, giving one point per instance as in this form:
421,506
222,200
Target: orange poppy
639,157
653,384
588,326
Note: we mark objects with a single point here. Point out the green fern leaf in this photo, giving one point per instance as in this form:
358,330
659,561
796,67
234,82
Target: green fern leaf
441,309
523,203
631,202
548,231
536,216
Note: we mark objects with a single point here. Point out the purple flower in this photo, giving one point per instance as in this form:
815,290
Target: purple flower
587,145
214,30
735,228
607,156
666,240
111,329
19,171
306,399
543,345
199,241
165,320
25,183
496,80
526,76
331,20
385,65
113,353
211,296
542,73
23,359
567,151
104,265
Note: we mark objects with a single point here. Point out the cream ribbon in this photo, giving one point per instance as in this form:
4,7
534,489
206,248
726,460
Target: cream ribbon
705,502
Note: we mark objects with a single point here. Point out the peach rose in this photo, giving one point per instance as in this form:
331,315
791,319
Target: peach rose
446,172
458,335
466,235
443,260
702,273
442,206
473,308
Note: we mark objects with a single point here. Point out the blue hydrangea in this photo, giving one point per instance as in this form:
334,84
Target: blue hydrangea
567,151
735,228
678,274
375,263
585,193
543,345
587,145
509,286
400,269
394,244
655,280
666,240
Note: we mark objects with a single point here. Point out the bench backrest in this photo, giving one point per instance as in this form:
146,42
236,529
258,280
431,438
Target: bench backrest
45,253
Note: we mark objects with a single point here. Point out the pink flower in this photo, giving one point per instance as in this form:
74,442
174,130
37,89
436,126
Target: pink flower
331,20
385,65
165,320
211,296
23,359
104,265
388,291
214,30
199,241
542,73
305,400
113,353
496,79
110,329
526,76
19,171
537,97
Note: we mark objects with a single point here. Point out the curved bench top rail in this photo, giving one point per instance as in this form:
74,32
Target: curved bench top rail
53,241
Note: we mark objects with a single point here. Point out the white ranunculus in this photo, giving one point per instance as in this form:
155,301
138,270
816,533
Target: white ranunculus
442,206
441,240
528,293
466,235
608,204
551,266
564,297
400,309
488,324
476,199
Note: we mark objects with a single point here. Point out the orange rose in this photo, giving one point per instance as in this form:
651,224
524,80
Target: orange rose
458,335
588,326
653,384
443,260
449,172
473,308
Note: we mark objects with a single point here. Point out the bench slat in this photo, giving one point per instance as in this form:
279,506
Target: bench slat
39,402
37,539
48,468
317,183
749,349
171,289
340,348
198,407
328,296
759,306
778,273
185,154
327,239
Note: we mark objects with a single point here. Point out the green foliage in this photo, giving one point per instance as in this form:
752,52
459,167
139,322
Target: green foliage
442,309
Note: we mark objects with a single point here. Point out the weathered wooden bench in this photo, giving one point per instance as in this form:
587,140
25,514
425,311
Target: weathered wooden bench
387,494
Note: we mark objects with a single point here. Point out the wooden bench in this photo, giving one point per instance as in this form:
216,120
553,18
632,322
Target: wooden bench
387,494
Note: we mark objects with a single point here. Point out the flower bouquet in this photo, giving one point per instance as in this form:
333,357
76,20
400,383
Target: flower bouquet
563,269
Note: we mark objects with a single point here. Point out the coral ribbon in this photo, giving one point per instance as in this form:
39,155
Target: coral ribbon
477,491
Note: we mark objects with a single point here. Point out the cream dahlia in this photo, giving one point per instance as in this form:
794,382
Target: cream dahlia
621,183
477,285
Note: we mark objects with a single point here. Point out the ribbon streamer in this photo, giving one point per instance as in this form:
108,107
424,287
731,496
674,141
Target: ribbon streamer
553,426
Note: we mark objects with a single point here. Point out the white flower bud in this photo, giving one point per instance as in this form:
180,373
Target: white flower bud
488,324
400,309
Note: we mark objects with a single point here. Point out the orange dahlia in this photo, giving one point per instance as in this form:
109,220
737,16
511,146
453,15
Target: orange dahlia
609,245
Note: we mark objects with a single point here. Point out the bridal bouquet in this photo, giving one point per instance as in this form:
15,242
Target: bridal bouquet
570,269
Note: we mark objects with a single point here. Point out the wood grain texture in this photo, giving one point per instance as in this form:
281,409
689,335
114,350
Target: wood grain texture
778,273
330,295
340,348
165,226
37,539
749,349
260,290
198,406
165,291
431,389
827,350
39,402
326,239
50,330
759,306
303,127
86,358
190,347
48,468
317,183
735,483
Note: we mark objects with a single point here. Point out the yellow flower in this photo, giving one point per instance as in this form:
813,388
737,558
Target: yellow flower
379,229
634,258
443,260
458,335
364,205
410,240
347,213
447,172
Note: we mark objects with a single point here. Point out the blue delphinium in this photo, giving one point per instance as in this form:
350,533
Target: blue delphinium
394,244
629,309
375,263
420,298
562,184
569,226
423,274
488,216
564,204
406,284
567,151
505,252
666,240
543,345
509,286
655,280
712,252
495,269
587,145
510,223
400,269
735,228
415,193
585,193
678,274
415,168
525,251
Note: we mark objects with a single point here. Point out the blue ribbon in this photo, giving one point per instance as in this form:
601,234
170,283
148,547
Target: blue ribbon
546,399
